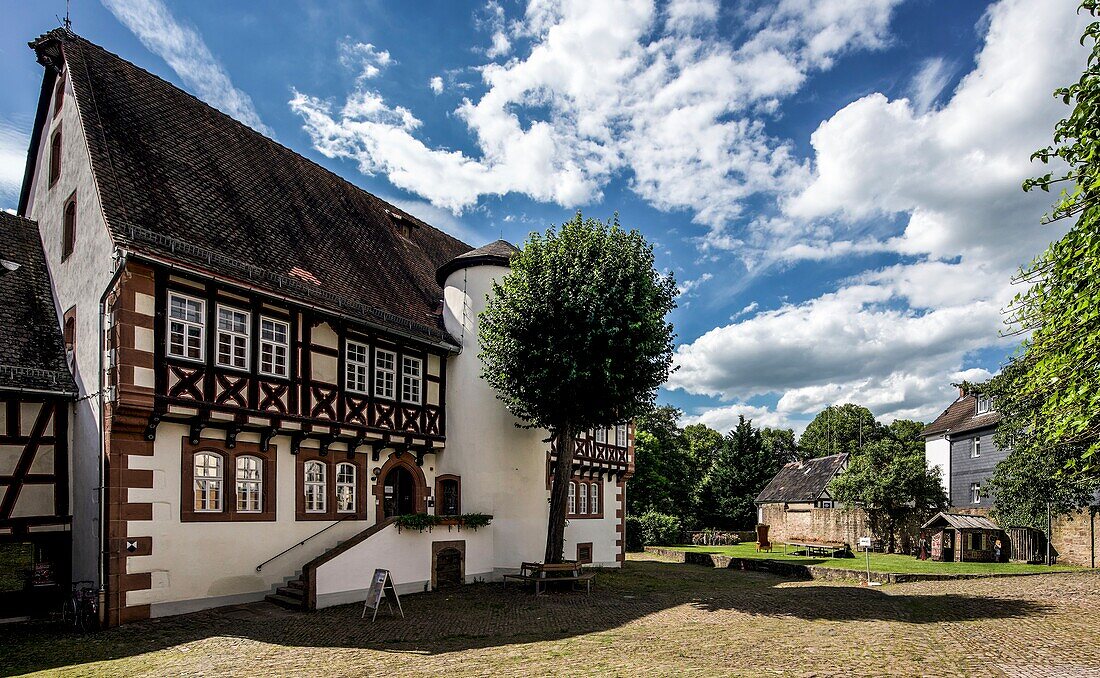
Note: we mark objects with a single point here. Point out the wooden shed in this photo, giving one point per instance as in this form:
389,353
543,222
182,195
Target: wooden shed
964,538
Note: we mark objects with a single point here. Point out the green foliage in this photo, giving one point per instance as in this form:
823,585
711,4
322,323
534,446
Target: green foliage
417,521
658,529
890,481
1052,392
474,520
780,444
576,333
906,431
839,428
743,467
634,541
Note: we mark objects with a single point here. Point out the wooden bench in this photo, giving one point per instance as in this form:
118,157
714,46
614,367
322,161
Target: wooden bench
540,575
820,549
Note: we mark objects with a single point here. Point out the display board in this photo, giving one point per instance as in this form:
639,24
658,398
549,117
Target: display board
381,588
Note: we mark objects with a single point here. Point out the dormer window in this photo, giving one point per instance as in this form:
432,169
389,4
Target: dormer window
985,404
401,224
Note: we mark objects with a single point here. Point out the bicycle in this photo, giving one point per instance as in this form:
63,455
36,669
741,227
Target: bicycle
81,610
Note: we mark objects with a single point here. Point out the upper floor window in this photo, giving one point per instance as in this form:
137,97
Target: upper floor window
233,338
59,95
208,482
274,347
357,367
975,493
345,487
620,435
68,228
249,484
185,327
601,435
985,404
385,369
55,157
315,486
411,372
976,449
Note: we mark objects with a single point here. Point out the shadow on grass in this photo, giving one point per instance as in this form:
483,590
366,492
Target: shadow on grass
486,615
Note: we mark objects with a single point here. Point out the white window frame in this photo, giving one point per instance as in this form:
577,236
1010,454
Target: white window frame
601,435
385,376
976,448
357,371
583,496
187,325
208,484
412,381
232,334
273,345
622,439
975,493
247,485
594,500
984,404
572,498
342,485
317,485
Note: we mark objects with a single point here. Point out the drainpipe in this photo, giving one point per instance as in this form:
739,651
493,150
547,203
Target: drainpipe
1048,533
104,510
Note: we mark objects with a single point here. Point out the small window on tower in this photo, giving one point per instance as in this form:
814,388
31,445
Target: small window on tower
59,95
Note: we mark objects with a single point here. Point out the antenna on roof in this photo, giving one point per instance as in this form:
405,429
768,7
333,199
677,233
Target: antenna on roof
67,22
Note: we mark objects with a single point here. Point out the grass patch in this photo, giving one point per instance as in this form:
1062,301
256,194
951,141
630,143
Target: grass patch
880,562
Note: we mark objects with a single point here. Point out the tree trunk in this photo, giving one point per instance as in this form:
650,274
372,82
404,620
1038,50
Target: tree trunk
559,494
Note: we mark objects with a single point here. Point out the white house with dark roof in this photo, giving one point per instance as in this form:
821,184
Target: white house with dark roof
276,365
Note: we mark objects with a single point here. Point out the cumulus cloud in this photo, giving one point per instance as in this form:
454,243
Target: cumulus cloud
13,160
436,83
617,87
187,54
689,285
367,59
725,418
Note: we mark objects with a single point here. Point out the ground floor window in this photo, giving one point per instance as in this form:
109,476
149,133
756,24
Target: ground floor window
219,483
328,487
584,498
448,495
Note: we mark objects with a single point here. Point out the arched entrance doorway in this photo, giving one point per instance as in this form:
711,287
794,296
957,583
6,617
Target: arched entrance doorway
399,493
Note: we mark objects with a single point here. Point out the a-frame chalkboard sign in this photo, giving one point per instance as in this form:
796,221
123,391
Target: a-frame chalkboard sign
381,585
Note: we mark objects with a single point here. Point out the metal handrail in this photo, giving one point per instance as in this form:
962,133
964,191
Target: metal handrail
347,517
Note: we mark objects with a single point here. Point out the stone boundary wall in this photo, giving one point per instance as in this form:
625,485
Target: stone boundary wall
819,524
1074,537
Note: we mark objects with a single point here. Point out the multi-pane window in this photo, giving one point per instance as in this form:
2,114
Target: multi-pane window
601,435
249,484
345,488
572,498
274,347
583,496
185,327
594,503
975,493
357,364
985,404
233,338
208,482
976,450
411,372
620,435
315,486
385,370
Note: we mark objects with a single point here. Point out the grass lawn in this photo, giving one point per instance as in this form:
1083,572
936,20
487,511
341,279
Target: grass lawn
880,562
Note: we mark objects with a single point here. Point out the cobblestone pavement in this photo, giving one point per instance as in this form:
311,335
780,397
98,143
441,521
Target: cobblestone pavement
651,618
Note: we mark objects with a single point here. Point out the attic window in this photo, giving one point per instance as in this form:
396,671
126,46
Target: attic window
985,404
303,274
401,224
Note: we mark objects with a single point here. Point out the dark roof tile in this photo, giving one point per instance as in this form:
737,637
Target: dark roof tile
802,481
961,416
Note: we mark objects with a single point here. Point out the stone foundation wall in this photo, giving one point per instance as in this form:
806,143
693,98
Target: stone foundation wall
819,524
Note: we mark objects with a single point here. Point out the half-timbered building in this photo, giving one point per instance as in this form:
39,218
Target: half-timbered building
36,393
285,363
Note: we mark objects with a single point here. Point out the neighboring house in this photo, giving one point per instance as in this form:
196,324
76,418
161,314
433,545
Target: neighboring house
36,393
290,363
802,485
960,443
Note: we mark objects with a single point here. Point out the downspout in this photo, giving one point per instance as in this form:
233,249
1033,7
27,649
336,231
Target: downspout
104,510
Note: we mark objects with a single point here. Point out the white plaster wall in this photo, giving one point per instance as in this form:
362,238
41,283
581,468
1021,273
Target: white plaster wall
937,452
78,281
599,531
199,560
503,467
406,554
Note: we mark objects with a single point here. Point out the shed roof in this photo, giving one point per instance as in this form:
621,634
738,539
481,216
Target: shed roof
960,521
801,481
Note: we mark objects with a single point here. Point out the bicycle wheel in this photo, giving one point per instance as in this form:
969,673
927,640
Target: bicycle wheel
68,612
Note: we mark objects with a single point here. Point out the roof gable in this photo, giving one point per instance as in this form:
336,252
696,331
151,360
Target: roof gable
962,415
181,180
802,481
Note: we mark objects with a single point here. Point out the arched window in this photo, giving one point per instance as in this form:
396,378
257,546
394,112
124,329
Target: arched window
59,95
68,229
584,498
594,503
572,498
315,487
208,482
249,484
345,488
55,157
449,502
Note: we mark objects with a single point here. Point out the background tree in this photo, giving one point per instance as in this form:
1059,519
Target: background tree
1052,393
906,431
837,429
780,443
575,337
888,478
661,465
743,467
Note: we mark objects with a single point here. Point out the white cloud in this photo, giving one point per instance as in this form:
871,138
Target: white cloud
436,83
725,419
364,57
607,88
185,52
689,285
750,308
928,83
13,160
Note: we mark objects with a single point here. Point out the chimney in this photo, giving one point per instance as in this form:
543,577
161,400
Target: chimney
962,391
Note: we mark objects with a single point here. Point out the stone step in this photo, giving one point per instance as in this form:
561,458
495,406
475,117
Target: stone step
285,601
297,594
296,584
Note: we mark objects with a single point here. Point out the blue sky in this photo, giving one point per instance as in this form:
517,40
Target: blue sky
835,187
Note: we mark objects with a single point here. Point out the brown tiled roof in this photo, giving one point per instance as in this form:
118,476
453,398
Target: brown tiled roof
32,353
801,481
960,521
961,416
184,181
498,253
